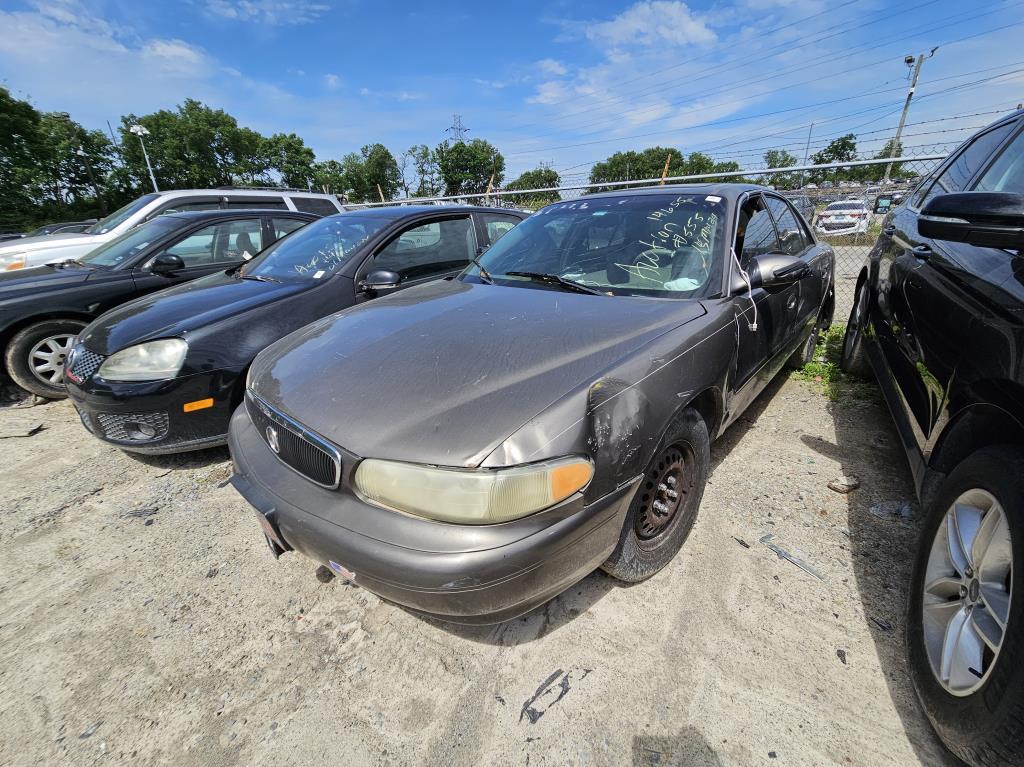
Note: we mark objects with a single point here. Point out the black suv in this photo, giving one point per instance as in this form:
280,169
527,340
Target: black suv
43,308
939,318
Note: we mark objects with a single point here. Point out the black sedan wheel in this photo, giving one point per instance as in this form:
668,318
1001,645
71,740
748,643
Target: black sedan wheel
665,506
853,360
35,356
965,638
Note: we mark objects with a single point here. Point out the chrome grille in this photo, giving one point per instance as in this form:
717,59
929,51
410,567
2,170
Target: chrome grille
84,363
131,427
295,446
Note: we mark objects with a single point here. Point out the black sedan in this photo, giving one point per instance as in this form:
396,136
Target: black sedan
939,318
43,308
163,373
472,447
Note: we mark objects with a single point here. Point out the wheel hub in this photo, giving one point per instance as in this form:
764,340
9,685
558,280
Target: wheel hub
46,358
665,488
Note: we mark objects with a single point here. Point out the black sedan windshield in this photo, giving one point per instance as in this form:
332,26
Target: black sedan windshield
125,247
316,250
104,225
667,245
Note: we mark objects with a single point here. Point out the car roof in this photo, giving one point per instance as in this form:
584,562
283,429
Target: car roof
403,211
226,191
730,191
200,215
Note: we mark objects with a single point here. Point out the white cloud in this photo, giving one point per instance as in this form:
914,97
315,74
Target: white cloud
364,91
268,12
552,67
332,81
490,83
549,92
652,23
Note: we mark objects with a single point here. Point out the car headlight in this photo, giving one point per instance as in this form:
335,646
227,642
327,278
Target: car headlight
472,497
151,361
15,260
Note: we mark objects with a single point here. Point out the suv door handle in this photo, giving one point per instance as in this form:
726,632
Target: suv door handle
889,230
923,252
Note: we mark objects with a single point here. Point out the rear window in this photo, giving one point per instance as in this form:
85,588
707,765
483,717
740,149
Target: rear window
317,205
846,206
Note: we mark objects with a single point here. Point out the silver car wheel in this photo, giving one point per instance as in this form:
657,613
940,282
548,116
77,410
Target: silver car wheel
968,586
46,358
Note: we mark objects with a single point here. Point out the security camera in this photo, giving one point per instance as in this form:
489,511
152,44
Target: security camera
908,60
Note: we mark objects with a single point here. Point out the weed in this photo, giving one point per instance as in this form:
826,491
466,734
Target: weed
824,369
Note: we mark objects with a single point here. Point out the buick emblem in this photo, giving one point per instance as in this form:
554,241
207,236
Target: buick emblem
272,439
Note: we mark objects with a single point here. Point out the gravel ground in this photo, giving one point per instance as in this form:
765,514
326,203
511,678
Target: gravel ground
145,622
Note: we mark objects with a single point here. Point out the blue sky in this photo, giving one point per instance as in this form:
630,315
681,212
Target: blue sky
561,82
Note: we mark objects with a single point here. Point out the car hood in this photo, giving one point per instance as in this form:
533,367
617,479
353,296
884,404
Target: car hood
48,241
19,281
443,373
178,311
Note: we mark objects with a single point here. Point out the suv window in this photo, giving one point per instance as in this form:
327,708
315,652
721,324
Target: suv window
429,249
317,205
791,234
1007,173
185,204
960,172
283,226
496,225
236,202
755,232
227,241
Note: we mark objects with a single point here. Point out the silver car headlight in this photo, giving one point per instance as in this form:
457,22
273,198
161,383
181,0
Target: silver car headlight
475,496
150,361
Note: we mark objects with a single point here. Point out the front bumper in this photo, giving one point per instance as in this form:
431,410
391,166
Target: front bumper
460,573
149,417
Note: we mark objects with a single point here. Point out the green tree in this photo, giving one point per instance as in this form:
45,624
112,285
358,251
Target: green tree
290,158
780,158
539,178
364,170
842,149
468,168
329,177
19,149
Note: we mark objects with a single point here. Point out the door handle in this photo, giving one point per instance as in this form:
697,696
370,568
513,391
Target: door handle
923,252
889,230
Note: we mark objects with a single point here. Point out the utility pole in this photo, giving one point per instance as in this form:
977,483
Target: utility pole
92,179
457,129
807,149
910,62
140,131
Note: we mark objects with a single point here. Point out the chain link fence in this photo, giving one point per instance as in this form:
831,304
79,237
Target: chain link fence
844,203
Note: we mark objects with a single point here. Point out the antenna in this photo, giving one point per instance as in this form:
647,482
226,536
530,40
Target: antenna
457,129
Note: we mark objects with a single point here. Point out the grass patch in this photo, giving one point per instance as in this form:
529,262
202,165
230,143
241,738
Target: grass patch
824,370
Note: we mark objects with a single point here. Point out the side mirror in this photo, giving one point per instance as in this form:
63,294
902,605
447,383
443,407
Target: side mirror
166,263
380,279
985,219
772,270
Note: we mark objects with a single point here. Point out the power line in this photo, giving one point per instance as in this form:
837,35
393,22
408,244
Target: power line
457,129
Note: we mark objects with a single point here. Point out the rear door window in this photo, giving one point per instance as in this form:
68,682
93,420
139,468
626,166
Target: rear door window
1006,174
269,202
317,205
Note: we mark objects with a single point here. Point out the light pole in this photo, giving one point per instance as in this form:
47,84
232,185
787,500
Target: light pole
140,131
92,179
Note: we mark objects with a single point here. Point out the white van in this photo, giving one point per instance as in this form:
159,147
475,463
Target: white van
35,251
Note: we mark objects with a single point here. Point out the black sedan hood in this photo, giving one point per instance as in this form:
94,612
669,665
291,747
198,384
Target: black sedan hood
16,282
178,311
443,373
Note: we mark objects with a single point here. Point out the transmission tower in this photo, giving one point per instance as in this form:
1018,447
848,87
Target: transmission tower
457,129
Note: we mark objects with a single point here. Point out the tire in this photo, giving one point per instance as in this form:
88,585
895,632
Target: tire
853,360
977,712
805,353
648,539
29,369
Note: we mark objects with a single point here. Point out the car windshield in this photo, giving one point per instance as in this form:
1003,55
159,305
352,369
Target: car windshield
104,225
125,247
317,250
846,206
662,245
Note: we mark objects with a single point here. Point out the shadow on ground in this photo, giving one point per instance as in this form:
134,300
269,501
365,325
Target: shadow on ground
881,545
687,749
195,459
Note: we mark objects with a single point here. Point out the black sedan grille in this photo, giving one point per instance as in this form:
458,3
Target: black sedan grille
295,446
84,363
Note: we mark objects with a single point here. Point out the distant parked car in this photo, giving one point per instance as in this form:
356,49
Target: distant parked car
66,227
472,447
163,373
43,308
32,251
6,236
804,204
844,217
938,318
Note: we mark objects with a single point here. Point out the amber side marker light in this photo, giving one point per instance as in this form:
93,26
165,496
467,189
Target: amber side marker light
199,404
